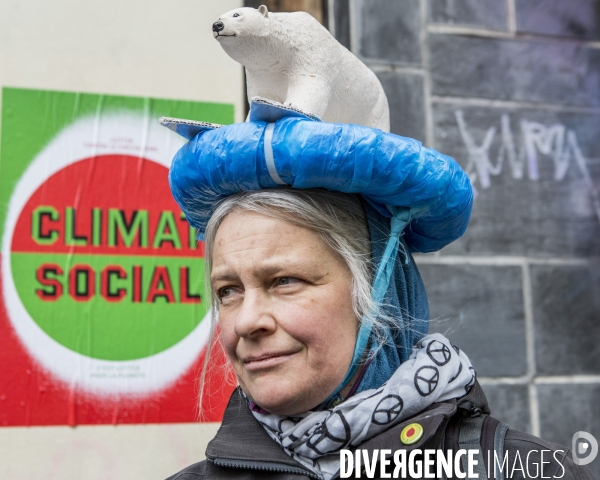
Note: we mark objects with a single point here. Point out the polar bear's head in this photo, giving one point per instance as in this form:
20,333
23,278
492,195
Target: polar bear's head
241,23
243,33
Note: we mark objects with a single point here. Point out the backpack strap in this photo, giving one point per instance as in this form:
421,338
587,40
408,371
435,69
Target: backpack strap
471,428
498,451
483,433
469,438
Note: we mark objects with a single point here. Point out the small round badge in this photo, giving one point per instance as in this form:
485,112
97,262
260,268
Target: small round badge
411,434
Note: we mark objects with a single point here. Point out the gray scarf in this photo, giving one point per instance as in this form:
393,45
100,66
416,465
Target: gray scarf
435,371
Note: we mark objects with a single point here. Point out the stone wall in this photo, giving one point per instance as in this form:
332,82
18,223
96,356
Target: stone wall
511,90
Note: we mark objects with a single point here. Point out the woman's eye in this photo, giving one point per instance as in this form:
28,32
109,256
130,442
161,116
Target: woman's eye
236,15
224,293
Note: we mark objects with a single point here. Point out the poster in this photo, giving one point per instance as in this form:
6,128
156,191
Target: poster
104,314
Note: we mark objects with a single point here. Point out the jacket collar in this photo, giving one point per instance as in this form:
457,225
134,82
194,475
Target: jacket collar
241,442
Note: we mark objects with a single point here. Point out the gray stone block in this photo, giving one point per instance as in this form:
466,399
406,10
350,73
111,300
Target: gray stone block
567,409
527,203
490,14
562,73
480,309
566,312
573,18
406,100
510,405
341,20
389,31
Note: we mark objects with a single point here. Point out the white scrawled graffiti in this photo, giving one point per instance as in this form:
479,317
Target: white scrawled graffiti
554,141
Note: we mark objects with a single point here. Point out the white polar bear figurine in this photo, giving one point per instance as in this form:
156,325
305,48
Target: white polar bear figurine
292,59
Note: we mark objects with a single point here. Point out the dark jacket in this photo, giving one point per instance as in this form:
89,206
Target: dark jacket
243,450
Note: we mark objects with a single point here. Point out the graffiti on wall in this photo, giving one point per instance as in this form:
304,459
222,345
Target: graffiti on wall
556,142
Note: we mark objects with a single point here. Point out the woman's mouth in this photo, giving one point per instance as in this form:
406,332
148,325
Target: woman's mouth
253,363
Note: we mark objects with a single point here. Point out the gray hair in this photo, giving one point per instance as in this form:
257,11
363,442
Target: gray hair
337,218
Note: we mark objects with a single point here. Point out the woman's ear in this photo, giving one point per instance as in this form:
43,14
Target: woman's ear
264,10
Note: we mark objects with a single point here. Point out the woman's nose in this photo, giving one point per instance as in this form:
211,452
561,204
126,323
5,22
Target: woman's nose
255,318
218,26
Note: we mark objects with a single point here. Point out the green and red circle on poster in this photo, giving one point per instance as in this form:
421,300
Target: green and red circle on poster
103,297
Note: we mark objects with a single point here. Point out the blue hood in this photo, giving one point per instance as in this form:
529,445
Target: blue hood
404,300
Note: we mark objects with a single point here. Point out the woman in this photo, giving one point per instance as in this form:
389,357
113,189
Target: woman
321,309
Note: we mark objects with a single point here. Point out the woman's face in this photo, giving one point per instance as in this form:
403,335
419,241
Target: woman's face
285,311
